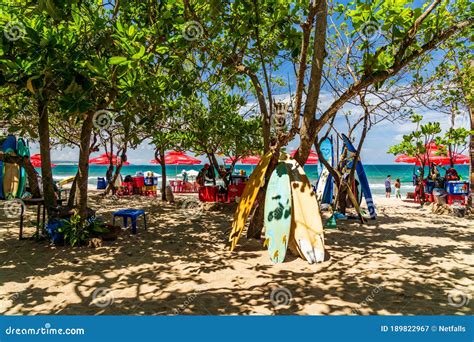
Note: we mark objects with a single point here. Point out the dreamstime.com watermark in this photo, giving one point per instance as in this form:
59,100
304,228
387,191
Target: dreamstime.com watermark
280,296
193,207
369,298
46,330
370,31
186,303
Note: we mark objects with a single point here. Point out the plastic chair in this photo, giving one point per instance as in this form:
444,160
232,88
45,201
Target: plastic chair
133,214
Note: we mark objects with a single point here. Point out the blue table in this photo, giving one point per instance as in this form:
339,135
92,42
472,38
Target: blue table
133,214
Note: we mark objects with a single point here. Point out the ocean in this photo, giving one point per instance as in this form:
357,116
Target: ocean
375,173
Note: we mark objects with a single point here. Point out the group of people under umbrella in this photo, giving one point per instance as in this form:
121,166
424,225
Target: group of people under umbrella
435,185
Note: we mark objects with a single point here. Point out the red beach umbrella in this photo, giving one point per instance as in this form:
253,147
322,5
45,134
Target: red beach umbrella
178,158
312,158
104,160
432,156
36,161
250,160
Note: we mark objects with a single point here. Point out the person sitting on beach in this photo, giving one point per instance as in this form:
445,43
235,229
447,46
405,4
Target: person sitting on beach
201,177
397,186
388,186
205,175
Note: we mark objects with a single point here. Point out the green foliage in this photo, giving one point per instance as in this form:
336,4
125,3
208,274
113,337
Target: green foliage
414,144
77,231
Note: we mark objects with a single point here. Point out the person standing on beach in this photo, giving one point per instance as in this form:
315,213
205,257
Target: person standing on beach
397,186
388,186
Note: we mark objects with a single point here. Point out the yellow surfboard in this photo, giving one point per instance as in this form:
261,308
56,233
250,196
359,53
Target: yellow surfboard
67,180
11,180
255,182
307,234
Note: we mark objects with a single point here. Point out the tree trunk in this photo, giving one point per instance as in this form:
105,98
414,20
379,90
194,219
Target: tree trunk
32,178
308,128
215,164
118,169
71,202
83,167
46,171
160,156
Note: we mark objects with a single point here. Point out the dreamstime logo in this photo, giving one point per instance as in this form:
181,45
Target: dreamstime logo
192,30
280,296
193,207
369,30
101,297
14,31
103,119
458,298
14,208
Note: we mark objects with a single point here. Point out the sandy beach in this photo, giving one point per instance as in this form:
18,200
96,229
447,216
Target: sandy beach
409,261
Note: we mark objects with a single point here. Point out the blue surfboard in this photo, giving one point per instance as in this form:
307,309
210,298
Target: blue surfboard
364,182
327,149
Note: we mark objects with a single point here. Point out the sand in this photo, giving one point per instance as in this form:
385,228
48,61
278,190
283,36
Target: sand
409,261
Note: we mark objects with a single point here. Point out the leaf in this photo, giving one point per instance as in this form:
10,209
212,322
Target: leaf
117,60
139,54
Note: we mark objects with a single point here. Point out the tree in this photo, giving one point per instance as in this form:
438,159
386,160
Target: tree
454,142
416,145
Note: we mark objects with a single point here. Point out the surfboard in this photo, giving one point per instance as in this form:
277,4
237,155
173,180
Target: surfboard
23,151
323,178
11,179
277,220
324,185
364,182
66,180
254,183
307,233
328,152
9,145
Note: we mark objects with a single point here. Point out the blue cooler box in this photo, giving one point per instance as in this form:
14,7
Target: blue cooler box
101,183
457,188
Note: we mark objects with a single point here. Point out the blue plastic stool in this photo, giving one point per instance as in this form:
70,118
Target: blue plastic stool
133,214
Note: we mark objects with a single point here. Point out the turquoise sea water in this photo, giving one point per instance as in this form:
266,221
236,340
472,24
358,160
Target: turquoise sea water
375,173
